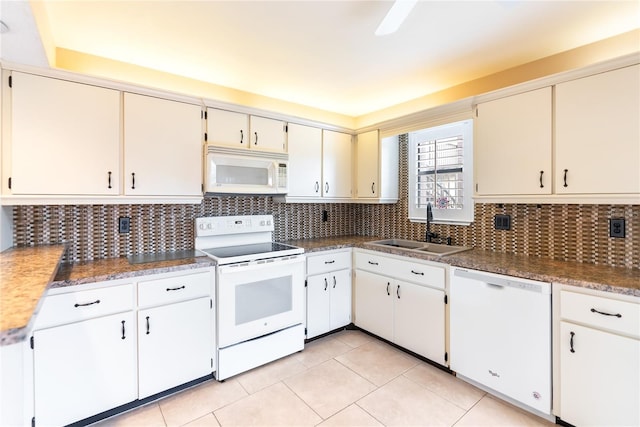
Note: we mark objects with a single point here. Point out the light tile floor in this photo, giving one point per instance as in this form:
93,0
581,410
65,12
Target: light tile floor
345,379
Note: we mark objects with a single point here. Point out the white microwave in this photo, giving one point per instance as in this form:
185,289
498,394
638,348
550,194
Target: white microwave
232,171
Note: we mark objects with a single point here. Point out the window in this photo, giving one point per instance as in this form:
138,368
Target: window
441,173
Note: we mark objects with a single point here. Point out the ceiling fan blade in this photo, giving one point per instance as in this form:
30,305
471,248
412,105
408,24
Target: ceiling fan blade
395,17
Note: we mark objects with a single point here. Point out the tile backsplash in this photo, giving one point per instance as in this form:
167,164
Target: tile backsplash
91,231
565,232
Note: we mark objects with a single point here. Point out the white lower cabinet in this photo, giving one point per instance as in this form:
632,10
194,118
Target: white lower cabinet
419,312
328,291
402,301
96,347
328,302
84,368
174,345
599,360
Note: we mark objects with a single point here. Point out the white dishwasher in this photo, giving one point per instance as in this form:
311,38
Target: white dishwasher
500,335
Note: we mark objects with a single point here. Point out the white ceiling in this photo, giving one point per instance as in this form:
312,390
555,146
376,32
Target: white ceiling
324,54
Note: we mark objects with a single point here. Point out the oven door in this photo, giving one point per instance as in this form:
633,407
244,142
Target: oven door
258,298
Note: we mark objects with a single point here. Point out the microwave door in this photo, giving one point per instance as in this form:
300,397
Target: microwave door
241,175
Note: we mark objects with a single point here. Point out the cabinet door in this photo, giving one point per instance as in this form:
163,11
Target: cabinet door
267,134
597,133
174,345
84,368
419,320
336,164
65,137
305,167
513,144
340,298
600,379
162,147
374,305
318,305
227,128
368,158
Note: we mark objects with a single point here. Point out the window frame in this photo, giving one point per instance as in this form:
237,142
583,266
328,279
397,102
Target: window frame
462,216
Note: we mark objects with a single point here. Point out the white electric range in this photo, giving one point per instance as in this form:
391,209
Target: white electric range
259,291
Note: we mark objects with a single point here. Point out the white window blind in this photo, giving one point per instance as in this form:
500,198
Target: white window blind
440,172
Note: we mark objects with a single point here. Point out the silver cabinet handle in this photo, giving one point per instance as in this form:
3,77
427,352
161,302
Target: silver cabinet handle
334,282
256,134
326,187
241,136
317,186
373,186
325,284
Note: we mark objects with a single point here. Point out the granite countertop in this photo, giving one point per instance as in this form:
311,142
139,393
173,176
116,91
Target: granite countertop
121,268
25,274
610,279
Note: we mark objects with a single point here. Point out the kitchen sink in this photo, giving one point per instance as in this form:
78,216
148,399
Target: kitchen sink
400,243
428,248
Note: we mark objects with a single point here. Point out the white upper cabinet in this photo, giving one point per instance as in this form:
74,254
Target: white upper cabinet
578,141
336,164
162,147
305,167
65,137
597,133
513,144
267,134
326,165
368,158
377,167
239,130
227,128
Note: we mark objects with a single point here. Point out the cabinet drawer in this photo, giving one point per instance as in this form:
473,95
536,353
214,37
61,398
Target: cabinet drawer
374,263
81,305
419,273
333,261
408,271
601,312
173,289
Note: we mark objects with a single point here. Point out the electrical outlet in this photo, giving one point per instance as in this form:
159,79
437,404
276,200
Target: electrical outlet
616,227
124,224
502,222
